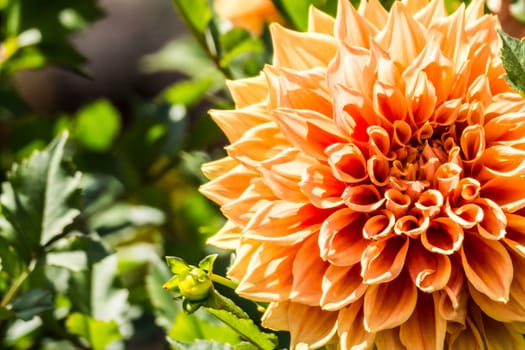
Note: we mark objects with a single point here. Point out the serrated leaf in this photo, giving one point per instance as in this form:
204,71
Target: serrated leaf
246,328
41,198
99,334
513,58
32,303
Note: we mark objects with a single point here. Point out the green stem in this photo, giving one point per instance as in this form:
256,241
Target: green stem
17,283
223,280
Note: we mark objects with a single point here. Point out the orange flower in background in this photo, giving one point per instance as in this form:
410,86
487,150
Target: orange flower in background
373,186
250,15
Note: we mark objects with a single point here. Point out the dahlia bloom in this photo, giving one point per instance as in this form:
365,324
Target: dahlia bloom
373,185
250,15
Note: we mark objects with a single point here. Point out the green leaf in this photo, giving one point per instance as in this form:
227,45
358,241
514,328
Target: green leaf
5,313
41,198
198,345
296,12
246,328
201,325
99,334
206,264
164,307
32,303
97,125
513,58
188,93
177,265
196,13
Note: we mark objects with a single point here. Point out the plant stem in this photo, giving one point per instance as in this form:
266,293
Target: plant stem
17,283
223,280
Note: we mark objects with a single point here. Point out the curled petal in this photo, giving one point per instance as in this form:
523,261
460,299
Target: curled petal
468,215
402,133
378,170
241,210
383,260
467,189
397,202
341,239
429,271
473,142
363,198
447,112
494,223
444,236
341,286
379,141
412,226
488,267
388,305
321,187
425,329
447,177
379,225
347,162
430,202
352,332
422,98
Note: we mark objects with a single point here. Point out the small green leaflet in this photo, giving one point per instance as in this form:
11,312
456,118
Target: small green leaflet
513,58
99,334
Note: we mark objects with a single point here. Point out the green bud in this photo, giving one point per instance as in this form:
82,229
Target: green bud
195,284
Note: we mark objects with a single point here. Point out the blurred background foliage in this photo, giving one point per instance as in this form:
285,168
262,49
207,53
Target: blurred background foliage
103,129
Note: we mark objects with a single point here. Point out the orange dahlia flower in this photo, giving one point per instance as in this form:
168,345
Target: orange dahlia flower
373,185
250,15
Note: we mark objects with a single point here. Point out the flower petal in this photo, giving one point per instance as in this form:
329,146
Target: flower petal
383,260
321,187
389,305
429,271
341,286
494,278
351,329
425,329
308,272
309,131
341,239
